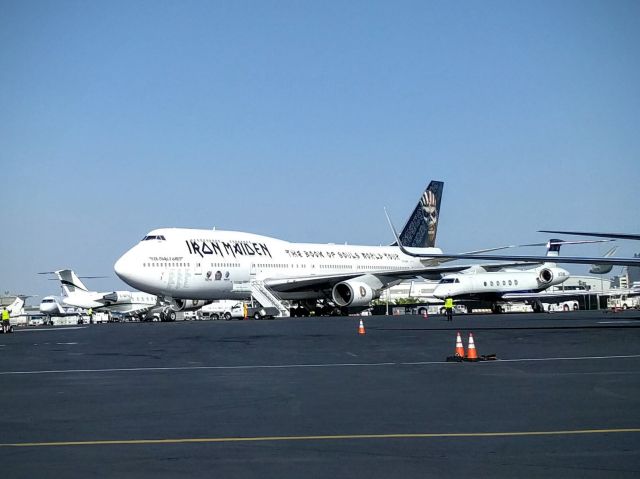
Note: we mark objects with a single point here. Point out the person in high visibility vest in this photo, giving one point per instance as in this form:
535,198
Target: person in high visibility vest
448,307
6,324
90,313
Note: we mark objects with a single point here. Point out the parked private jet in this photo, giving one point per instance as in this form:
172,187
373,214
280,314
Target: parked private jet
477,283
54,306
16,308
129,303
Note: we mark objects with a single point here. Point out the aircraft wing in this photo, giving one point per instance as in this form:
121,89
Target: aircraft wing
415,252
328,281
419,253
597,235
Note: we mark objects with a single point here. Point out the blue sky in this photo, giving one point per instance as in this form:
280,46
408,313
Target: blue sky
302,120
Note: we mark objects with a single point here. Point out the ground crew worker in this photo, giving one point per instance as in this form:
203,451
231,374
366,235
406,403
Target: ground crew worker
448,307
90,313
6,325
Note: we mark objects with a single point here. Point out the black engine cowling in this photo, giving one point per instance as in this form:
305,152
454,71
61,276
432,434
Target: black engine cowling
118,296
545,276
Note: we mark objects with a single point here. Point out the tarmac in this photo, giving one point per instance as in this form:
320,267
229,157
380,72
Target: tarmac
311,398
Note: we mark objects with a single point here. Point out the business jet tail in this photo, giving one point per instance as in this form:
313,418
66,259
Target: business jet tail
70,282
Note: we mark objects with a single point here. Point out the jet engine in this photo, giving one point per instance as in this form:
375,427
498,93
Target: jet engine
118,297
187,304
545,276
353,293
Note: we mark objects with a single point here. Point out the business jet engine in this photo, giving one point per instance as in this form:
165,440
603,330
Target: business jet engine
187,304
118,297
545,276
353,293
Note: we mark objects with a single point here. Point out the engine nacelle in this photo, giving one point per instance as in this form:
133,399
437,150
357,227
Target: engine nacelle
545,276
118,297
353,293
187,304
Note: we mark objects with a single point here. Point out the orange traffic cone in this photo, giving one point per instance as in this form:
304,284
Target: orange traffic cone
459,346
472,354
361,330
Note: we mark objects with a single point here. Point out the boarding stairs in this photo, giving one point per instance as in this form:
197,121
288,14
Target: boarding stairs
267,298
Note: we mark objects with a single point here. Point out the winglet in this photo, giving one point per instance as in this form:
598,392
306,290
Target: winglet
393,228
395,233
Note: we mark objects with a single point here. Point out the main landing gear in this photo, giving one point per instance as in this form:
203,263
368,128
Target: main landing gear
167,314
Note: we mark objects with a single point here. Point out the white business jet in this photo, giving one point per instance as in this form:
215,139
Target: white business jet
481,284
54,306
77,295
16,308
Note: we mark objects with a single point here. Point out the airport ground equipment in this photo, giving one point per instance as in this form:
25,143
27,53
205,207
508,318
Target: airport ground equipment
216,309
251,310
261,293
623,301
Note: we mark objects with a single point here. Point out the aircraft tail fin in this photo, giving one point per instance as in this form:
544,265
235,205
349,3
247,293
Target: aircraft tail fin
422,226
603,268
17,307
553,247
71,284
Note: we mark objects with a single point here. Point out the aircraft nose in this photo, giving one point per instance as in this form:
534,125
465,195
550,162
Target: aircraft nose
124,268
441,292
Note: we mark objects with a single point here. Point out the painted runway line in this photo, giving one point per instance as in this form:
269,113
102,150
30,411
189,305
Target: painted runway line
299,366
345,437
48,329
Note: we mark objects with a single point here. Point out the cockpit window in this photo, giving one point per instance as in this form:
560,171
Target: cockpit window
154,237
449,280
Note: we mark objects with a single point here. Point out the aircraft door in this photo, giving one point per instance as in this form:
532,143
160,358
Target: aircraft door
198,269
252,271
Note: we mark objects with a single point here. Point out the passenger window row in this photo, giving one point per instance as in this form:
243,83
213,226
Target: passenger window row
504,283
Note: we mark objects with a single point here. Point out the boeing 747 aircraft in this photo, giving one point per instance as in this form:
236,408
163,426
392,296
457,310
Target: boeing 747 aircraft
179,264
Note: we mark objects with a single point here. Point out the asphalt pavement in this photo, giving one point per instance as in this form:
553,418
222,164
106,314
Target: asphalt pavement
312,398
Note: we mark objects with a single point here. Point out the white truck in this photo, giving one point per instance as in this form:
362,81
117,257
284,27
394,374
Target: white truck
217,309
571,305
229,309
255,311
623,301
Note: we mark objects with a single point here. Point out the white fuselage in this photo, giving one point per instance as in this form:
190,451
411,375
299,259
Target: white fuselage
118,301
55,306
210,264
496,284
